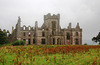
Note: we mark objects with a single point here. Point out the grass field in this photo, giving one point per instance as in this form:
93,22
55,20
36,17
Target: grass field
50,55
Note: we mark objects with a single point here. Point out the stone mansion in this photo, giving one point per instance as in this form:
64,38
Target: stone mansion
49,33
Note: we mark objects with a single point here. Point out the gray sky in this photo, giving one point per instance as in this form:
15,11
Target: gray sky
86,12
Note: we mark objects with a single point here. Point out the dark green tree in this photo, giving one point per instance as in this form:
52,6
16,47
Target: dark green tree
3,38
97,38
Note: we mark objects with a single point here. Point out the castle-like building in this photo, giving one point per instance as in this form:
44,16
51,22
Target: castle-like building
49,33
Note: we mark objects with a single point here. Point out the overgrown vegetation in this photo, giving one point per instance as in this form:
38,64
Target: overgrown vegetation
3,38
50,55
18,42
85,43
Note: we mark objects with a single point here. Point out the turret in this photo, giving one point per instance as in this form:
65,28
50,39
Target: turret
36,25
70,26
19,21
77,26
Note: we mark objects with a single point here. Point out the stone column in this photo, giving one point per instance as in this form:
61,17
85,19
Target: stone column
55,41
32,41
31,38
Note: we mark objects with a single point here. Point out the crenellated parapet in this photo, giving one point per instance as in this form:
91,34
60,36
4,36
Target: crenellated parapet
49,16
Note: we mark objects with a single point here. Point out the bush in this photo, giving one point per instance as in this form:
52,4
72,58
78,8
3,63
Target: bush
18,42
85,44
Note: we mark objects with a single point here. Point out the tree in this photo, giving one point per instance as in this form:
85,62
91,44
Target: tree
97,38
3,38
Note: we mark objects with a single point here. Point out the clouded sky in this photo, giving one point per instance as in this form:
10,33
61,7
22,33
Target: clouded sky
86,12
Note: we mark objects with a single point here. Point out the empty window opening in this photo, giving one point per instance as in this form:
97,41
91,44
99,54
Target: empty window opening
53,40
29,41
76,41
76,33
68,36
24,33
33,41
43,34
43,41
29,33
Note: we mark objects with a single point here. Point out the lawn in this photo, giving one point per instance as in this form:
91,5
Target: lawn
50,55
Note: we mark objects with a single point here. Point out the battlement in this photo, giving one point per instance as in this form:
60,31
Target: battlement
49,16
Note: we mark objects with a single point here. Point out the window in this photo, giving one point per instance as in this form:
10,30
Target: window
53,40
76,41
43,41
76,33
43,34
68,36
24,33
29,41
53,24
33,41
52,32
29,33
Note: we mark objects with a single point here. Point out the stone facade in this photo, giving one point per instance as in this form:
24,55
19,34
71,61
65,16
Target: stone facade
49,33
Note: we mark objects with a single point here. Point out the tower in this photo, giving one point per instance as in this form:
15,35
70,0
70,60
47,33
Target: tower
18,26
52,23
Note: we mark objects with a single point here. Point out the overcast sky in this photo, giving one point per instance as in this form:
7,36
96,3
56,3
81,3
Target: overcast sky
86,12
